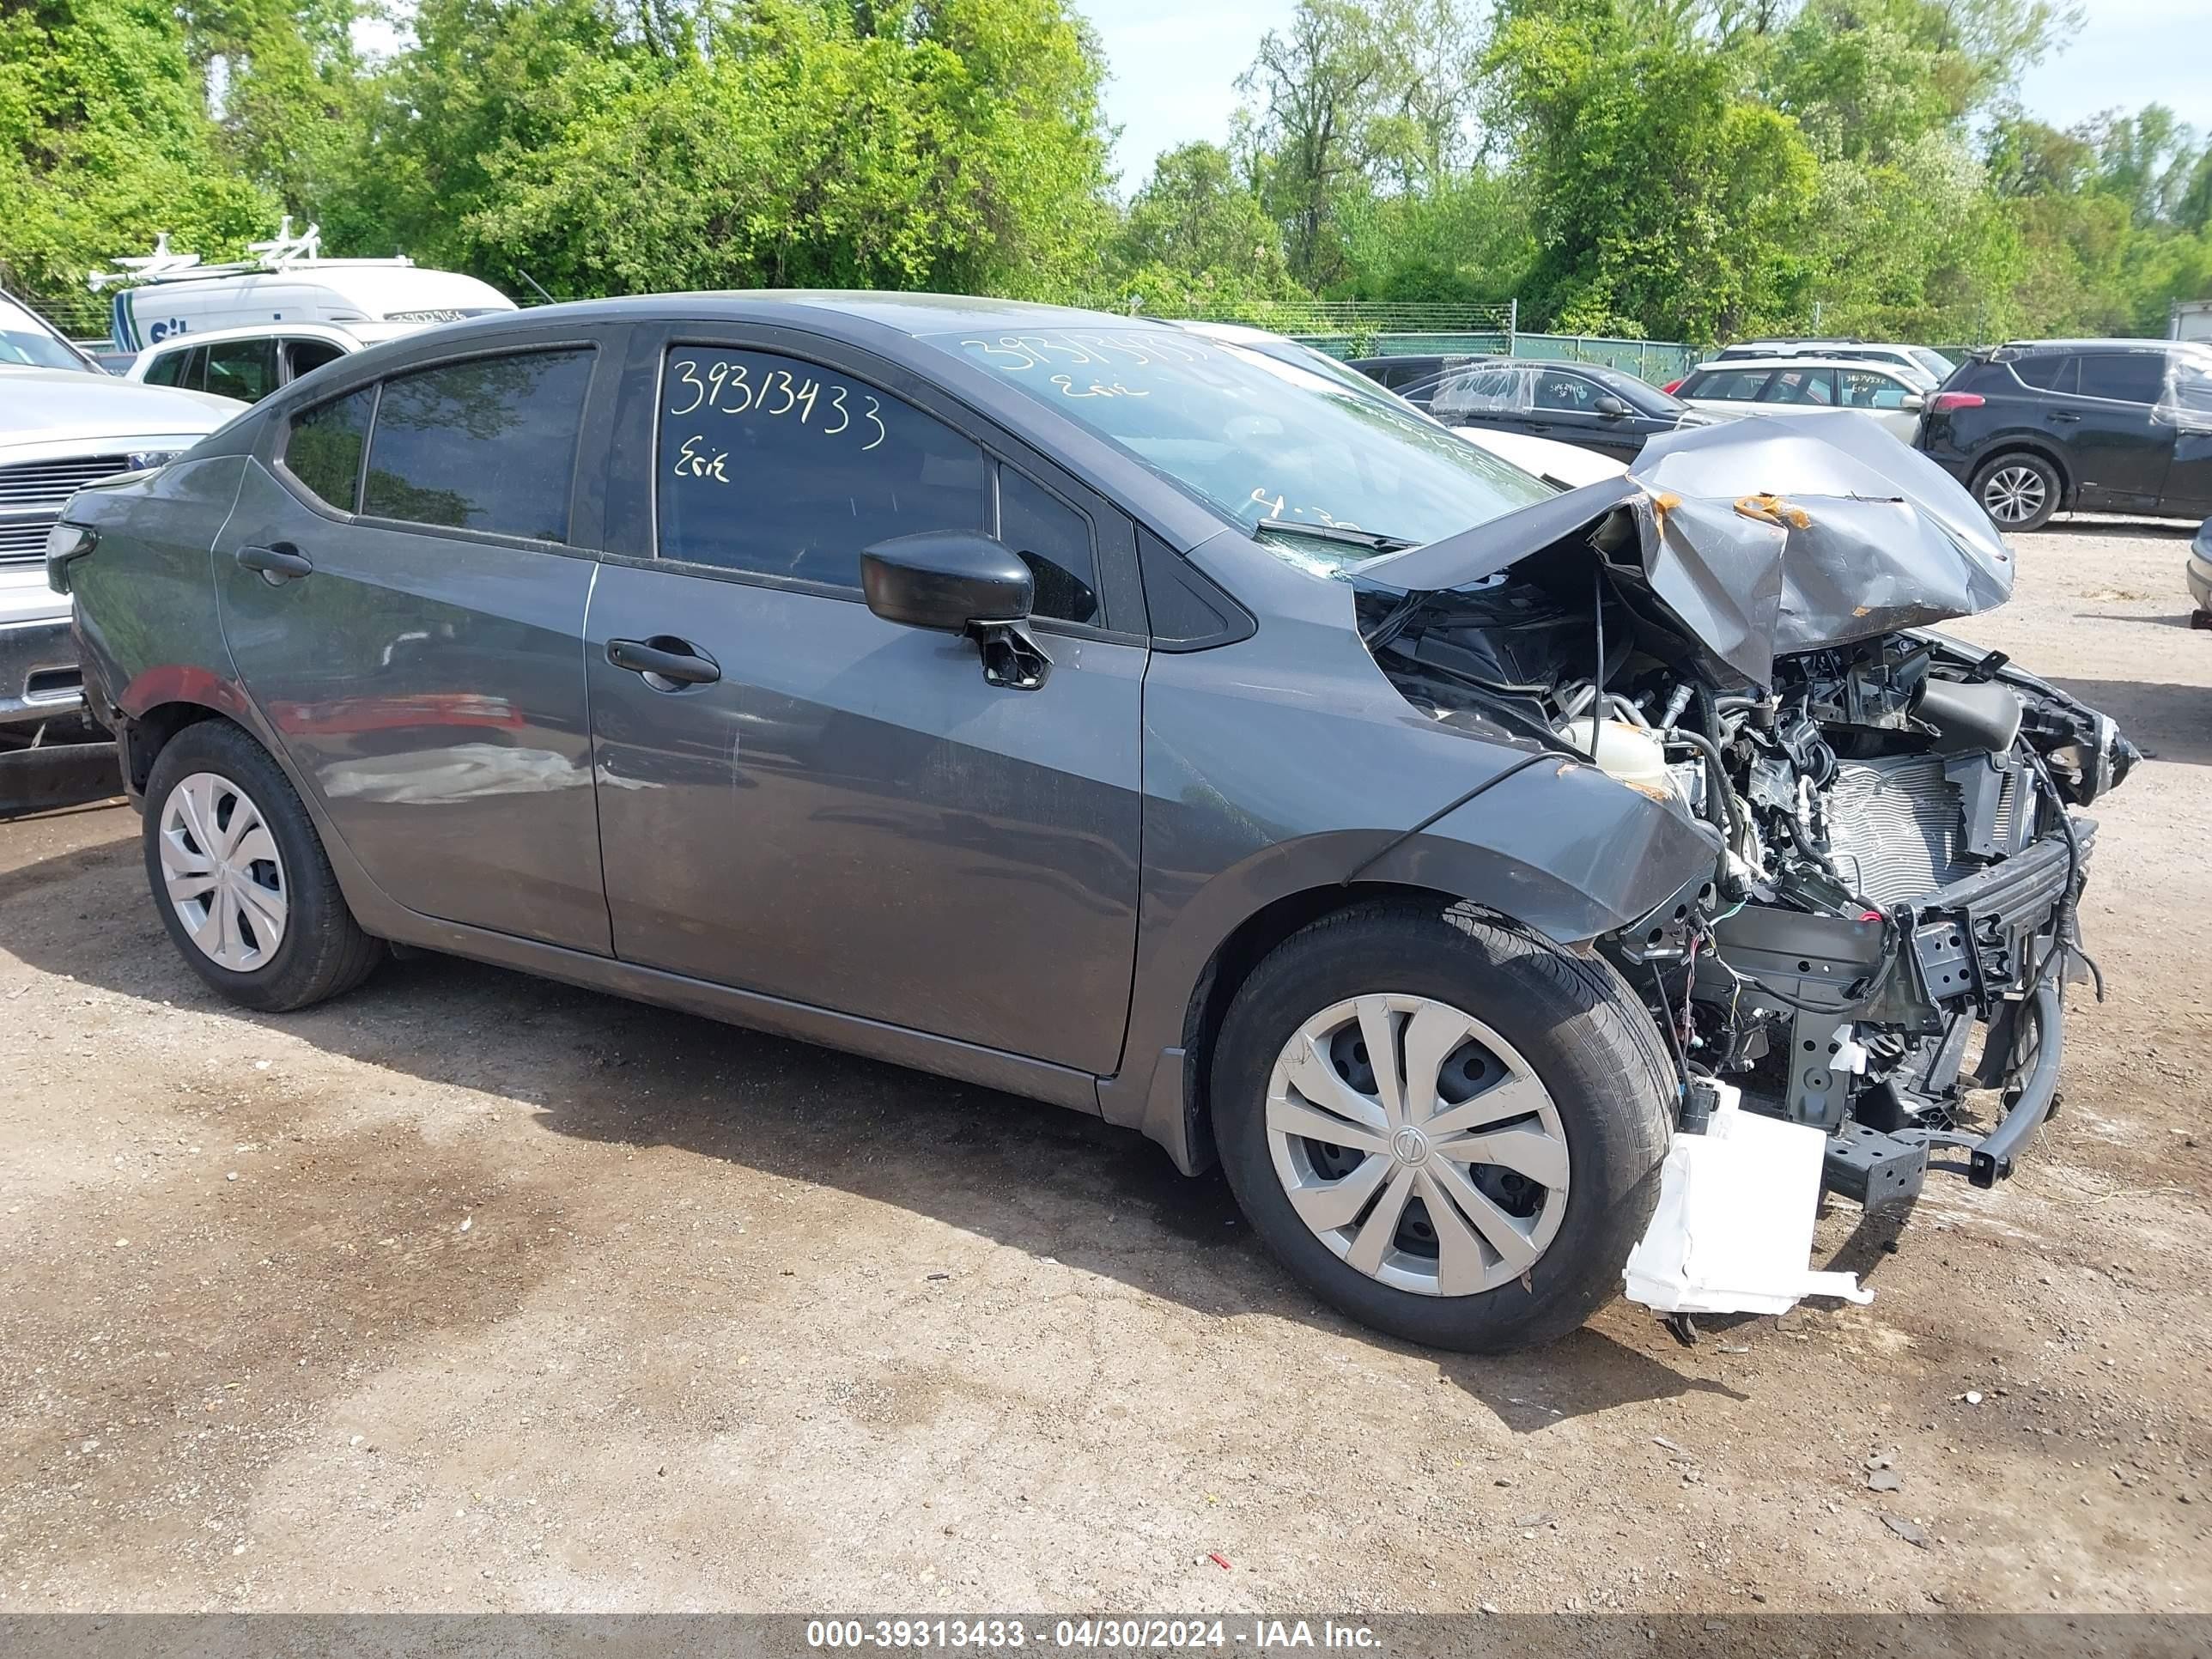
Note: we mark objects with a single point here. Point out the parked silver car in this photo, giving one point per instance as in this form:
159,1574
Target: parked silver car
64,423
1132,719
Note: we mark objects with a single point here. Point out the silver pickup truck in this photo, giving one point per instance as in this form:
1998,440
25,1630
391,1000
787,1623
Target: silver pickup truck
64,423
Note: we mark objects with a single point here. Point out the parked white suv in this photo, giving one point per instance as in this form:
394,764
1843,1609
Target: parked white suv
1918,363
250,362
1809,386
64,423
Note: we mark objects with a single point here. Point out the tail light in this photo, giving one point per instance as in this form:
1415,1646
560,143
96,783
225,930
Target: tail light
1669,387
1944,402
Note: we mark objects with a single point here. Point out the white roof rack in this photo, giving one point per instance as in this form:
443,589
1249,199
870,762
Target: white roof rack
283,251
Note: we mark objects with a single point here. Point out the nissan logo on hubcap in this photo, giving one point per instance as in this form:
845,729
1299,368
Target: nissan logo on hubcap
1409,1145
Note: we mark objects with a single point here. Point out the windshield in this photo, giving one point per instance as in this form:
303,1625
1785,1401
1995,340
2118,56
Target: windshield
26,340
1259,438
1934,362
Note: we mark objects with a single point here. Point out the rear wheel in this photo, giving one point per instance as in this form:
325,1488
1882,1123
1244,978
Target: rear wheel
1445,1127
239,875
2019,491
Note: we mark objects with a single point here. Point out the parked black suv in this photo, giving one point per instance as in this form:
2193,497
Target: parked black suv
2041,426
1591,405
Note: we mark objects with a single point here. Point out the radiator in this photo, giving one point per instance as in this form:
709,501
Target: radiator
1896,827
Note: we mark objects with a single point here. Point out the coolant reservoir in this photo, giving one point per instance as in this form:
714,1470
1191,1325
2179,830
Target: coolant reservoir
1627,752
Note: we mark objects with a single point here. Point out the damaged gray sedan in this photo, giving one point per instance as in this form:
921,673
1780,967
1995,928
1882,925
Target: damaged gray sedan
1124,718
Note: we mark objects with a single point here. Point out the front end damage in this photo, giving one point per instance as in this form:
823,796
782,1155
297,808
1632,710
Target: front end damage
1889,923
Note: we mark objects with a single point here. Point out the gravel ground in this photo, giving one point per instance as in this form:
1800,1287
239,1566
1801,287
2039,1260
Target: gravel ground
471,1291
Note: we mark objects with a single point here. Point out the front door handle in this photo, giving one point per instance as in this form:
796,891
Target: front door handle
281,562
664,657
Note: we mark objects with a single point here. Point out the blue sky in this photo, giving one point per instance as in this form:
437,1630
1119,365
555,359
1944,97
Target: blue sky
1174,63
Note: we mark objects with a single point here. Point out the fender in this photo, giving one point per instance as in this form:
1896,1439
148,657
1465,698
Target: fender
1557,848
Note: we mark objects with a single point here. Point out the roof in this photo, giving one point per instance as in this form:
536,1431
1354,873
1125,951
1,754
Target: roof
1737,365
821,310
2108,344
334,332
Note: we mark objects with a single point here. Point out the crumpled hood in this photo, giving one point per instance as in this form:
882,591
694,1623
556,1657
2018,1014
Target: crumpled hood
1762,537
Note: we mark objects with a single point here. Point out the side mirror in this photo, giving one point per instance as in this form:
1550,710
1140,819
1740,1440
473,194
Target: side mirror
960,581
1913,403
945,579
1610,407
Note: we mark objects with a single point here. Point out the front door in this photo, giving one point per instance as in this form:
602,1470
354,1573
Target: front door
1564,409
799,798
410,628
2188,407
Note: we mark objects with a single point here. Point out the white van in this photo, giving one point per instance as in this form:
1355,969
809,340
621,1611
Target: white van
162,294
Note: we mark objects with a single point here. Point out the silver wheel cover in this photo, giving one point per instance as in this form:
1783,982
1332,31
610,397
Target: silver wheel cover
222,872
1417,1144
2014,495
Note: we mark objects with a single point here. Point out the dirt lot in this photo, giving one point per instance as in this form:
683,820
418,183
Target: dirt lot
473,1291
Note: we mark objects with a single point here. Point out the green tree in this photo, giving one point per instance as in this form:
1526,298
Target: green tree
1354,94
957,146
1665,200
106,141
1194,216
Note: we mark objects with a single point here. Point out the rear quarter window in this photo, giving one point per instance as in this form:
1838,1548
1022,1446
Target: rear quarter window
324,447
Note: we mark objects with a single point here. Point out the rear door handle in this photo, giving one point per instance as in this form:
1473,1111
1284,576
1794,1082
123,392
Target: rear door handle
282,561
665,657
2063,415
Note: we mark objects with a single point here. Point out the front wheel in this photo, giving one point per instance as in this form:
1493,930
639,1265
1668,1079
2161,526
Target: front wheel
1445,1127
2019,491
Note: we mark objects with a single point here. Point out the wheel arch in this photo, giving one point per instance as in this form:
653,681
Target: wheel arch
2017,443
146,734
1232,962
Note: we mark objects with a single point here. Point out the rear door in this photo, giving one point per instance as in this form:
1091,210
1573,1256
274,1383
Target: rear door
1489,397
402,586
1801,391
1724,390
2104,410
836,810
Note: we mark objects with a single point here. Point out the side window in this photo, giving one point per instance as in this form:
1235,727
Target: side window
1055,541
304,356
2046,371
244,369
1568,392
2127,377
773,466
1802,386
489,444
1863,388
323,449
1735,386
1477,391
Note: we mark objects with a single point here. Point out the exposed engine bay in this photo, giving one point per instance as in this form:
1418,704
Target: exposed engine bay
1895,864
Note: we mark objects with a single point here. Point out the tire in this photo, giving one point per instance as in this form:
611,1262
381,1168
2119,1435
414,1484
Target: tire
261,918
2019,491
1584,1064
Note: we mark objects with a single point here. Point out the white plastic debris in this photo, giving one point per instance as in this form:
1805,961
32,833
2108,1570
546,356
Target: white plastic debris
1734,1227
